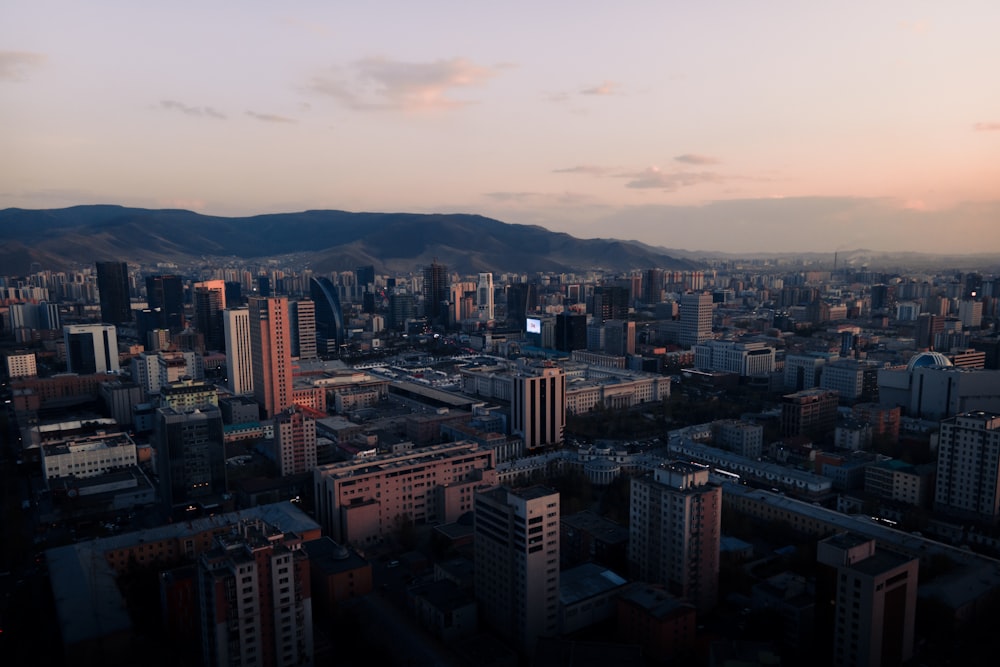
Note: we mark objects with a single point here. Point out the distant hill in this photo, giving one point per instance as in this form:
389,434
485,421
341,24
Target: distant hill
322,240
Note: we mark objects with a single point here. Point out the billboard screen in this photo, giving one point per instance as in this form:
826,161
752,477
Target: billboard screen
534,325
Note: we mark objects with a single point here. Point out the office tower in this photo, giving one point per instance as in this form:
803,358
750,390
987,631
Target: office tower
675,531
239,364
522,299
234,294
619,337
517,562
866,602
190,455
255,600
571,332
695,318
112,286
484,297
883,297
928,327
264,286
810,412
652,286
48,316
436,294
365,278
968,472
209,302
538,406
91,348
330,331
165,298
971,314
402,307
271,354
302,322
295,441
610,303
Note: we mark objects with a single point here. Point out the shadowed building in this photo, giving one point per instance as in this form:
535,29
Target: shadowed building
113,289
329,316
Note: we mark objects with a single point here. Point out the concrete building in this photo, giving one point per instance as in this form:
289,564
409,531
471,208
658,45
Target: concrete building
659,622
302,326
87,456
538,406
295,440
695,318
674,533
271,354
743,359
255,599
239,359
152,370
91,348
900,482
968,471
867,600
517,563
186,395
21,364
361,500
190,455
811,412
803,371
743,438
853,380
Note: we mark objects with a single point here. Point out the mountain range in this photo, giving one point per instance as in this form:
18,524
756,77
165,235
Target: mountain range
324,241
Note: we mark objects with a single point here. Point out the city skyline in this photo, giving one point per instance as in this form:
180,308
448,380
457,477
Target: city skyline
699,127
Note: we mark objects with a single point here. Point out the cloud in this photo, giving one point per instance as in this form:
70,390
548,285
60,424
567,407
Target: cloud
511,196
383,84
589,169
204,112
15,65
915,27
604,88
691,158
655,179
987,127
270,117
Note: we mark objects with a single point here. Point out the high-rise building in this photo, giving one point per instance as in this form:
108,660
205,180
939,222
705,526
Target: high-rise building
295,441
302,315
484,297
571,332
329,317
112,287
611,302
968,471
538,406
695,318
517,562
239,359
21,365
165,298
436,294
675,532
522,299
190,455
652,286
255,601
866,602
91,348
209,302
271,354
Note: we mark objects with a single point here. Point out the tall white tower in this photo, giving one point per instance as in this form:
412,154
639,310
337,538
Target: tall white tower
484,297
239,367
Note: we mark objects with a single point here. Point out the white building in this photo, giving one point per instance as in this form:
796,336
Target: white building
743,359
484,297
87,456
239,364
21,364
968,472
91,348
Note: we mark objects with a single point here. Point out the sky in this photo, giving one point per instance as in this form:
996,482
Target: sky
731,126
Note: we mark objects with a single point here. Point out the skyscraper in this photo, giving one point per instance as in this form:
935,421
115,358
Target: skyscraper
484,297
166,293
652,286
239,358
91,348
209,302
112,286
330,332
436,294
611,302
517,562
968,472
271,354
696,318
302,325
538,406
675,531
